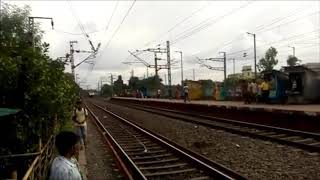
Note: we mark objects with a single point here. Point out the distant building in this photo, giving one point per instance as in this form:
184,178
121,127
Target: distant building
235,76
247,73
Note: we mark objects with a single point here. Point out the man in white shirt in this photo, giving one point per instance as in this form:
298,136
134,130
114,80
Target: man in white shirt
186,92
80,115
65,166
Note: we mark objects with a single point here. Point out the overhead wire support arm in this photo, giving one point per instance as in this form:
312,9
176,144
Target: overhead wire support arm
213,68
215,59
143,61
87,58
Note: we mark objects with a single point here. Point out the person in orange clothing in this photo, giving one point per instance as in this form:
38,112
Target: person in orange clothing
178,92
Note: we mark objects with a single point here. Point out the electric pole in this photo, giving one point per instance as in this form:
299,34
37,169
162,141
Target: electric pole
181,62
155,63
294,50
31,27
111,81
255,54
147,72
234,66
72,58
224,68
193,75
224,65
169,69
165,79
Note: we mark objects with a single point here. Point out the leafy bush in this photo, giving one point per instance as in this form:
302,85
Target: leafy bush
31,81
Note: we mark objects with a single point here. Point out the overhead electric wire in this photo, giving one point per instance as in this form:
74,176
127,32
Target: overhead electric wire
279,19
263,26
299,18
81,27
115,32
177,24
211,20
114,10
76,34
260,27
119,26
76,17
283,39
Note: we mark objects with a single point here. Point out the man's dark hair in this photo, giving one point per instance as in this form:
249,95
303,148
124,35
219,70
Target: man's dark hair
65,141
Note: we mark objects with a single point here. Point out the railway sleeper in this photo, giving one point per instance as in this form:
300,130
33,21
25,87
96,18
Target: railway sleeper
279,135
157,161
139,145
164,166
306,140
151,157
146,153
165,173
315,144
201,178
142,149
292,138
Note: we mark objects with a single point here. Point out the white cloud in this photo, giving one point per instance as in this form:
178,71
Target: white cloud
150,20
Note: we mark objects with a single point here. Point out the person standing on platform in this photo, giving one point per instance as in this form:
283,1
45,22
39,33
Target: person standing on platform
80,116
265,88
250,93
178,92
244,91
65,166
254,91
158,93
186,92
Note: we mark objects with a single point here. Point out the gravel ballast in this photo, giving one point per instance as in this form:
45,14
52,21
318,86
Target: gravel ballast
254,158
100,164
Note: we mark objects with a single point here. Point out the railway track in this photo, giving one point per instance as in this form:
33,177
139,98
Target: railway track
145,155
304,140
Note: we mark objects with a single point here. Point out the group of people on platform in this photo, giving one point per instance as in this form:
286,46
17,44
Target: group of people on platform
69,144
180,92
253,92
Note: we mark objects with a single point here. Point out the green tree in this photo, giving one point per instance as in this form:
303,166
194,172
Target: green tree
133,83
292,60
31,81
106,90
118,86
269,61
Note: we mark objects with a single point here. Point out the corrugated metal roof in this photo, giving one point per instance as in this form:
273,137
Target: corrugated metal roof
7,111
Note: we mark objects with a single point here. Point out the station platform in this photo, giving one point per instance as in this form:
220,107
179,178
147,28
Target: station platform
297,117
310,109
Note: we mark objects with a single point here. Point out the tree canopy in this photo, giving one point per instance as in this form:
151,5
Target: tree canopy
269,61
292,60
118,86
31,81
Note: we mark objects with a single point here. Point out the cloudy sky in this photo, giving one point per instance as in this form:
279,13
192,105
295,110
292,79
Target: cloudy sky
198,28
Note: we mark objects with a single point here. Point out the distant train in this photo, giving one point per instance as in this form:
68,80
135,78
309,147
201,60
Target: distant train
91,94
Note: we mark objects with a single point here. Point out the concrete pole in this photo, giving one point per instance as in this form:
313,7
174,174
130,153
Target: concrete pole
169,69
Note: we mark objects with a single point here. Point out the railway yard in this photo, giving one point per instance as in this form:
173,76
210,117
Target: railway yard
138,141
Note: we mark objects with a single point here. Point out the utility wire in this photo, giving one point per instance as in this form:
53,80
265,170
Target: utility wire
115,32
289,22
75,34
283,39
179,23
114,10
263,26
212,21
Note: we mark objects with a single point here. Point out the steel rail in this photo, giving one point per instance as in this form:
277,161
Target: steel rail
212,168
